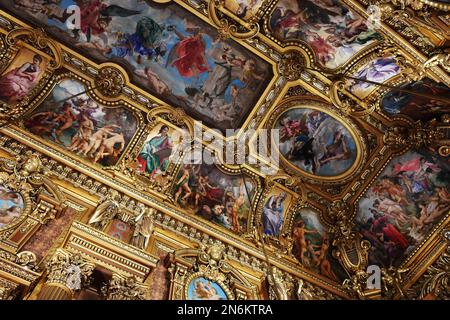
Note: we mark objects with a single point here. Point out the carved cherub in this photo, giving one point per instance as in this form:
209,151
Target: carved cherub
392,278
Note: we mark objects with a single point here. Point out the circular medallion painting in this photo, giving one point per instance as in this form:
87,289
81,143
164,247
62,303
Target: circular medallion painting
11,206
315,142
204,289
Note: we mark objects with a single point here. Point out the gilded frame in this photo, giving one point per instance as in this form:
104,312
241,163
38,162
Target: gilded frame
93,95
306,102
252,175
219,282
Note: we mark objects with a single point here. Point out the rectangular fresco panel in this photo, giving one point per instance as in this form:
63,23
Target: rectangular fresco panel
71,118
21,76
415,106
334,32
167,50
163,145
208,192
378,70
403,205
312,244
274,212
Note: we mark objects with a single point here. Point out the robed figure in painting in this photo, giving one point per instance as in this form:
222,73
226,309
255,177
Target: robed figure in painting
273,214
17,83
156,152
96,16
188,55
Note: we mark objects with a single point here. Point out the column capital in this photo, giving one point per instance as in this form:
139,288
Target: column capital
69,270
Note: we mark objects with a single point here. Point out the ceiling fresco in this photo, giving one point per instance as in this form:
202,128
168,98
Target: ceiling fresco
417,108
315,142
99,104
333,31
403,205
174,55
81,125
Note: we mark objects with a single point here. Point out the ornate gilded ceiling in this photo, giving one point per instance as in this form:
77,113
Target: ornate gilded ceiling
105,97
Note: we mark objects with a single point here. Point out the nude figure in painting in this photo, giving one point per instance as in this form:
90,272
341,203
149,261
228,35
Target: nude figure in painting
311,249
418,223
43,8
66,118
9,196
183,185
41,123
443,194
80,140
391,209
299,237
97,138
204,291
203,189
7,215
337,150
153,80
238,203
322,261
201,292
435,209
107,147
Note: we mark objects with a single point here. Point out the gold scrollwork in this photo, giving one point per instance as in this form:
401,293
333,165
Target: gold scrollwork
291,65
347,102
125,288
225,27
39,38
109,82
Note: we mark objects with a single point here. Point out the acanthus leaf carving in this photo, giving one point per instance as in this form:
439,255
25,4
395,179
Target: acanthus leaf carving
69,270
125,288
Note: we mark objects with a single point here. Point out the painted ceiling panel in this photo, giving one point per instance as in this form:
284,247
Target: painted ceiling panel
170,52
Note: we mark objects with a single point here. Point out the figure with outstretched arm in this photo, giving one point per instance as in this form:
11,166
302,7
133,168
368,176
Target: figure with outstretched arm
183,185
299,233
188,56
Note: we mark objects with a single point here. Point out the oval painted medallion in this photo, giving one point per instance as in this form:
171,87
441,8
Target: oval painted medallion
315,142
11,206
203,289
